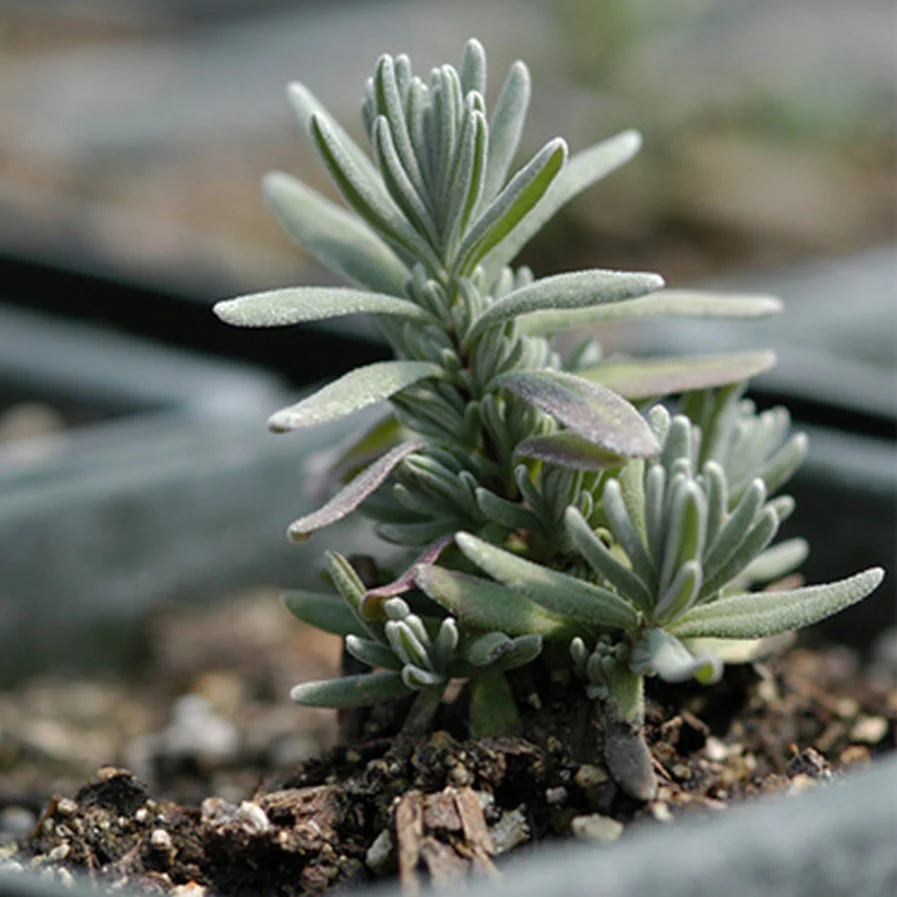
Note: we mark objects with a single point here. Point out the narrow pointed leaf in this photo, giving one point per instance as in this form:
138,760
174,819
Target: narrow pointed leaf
305,104
326,612
372,653
626,533
784,462
351,691
756,540
603,561
346,580
508,513
352,392
577,289
506,126
566,449
335,237
665,303
367,197
359,452
473,68
661,377
588,409
510,207
681,594
281,308
353,494
488,647
736,527
557,592
488,605
759,614
583,170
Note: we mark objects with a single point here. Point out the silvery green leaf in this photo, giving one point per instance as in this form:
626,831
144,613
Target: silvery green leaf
473,68
717,491
680,594
406,645
572,290
351,691
627,693
754,542
557,592
398,183
372,653
506,127
777,561
493,711
648,378
678,445
588,409
445,643
657,653
392,110
417,533
367,198
416,678
487,648
758,614
326,612
353,391
603,561
566,449
784,506
508,513
655,488
626,534
686,524
730,650
779,468
335,237
736,527
583,170
296,305
487,605
632,487
665,303
353,494
359,451
305,104
345,580
470,171
509,208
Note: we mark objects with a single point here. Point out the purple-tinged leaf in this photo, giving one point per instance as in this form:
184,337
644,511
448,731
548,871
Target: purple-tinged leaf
405,583
352,495
665,376
352,392
566,449
589,409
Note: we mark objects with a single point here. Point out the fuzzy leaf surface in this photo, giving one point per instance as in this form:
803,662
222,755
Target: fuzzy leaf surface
565,291
647,378
505,212
506,127
563,595
352,392
567,449
665,303
281,308
335,237
589,409
488,605
583,170
351,691
353,494
759,614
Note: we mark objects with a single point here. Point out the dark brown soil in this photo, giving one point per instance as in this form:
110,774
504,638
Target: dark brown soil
431,809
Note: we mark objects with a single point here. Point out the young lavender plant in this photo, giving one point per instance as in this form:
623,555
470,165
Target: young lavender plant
546,503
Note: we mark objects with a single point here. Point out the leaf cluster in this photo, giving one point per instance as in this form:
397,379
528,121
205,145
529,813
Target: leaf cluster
555,499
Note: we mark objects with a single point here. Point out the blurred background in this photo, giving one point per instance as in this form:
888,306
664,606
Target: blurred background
134,132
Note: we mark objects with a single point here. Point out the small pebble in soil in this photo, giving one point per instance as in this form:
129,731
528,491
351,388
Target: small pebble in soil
511,830
869,729
596,827
379,855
